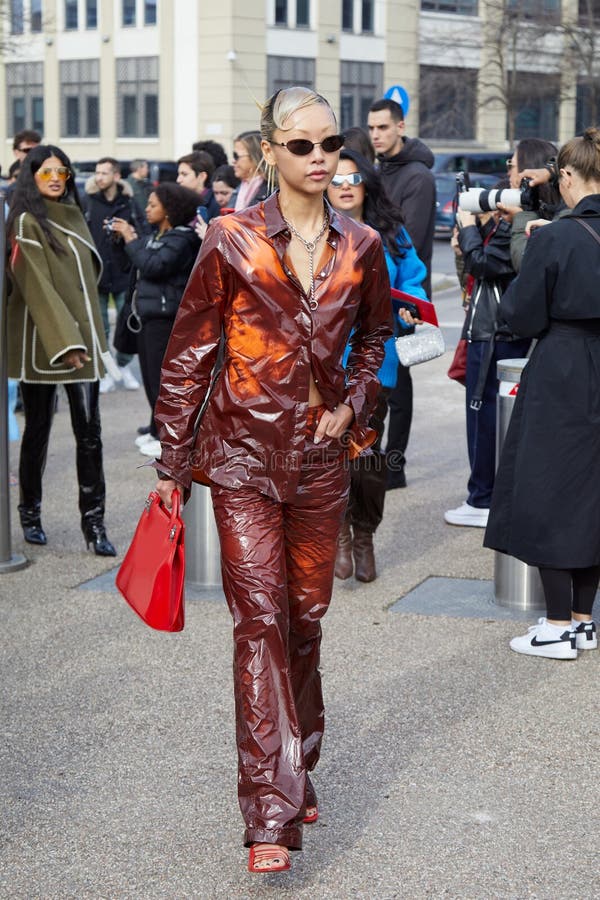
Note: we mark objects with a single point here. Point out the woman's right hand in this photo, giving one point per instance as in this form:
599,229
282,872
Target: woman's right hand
165,488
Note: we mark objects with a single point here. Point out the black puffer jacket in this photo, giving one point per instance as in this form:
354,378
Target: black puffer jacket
97,209
164,264
490,265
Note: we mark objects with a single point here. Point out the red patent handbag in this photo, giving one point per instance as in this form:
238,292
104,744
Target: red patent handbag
151,577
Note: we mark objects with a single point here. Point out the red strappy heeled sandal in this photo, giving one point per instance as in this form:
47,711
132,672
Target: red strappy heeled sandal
268,858
312,814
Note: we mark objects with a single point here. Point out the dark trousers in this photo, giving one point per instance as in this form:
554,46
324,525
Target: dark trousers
569,590
39,403
481,423
152,343
277,562
368,476
400,402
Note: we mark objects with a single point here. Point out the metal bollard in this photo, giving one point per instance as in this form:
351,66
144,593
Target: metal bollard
9,561
202,548
516,584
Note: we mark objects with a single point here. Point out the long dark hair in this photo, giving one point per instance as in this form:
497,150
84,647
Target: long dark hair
27,198
378,211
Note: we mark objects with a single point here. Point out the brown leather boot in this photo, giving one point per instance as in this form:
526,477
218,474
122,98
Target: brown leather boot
343,560
364,558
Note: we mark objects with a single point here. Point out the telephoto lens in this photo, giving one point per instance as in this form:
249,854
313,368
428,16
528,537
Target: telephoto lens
478,200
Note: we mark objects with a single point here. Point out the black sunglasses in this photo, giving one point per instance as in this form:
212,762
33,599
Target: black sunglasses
302,146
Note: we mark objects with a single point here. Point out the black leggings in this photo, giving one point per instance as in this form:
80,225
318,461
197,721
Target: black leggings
569,590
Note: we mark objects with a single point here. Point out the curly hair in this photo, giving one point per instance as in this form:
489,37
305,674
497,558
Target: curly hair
27,198
378,211
179,202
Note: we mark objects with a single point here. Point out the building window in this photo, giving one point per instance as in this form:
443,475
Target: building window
461,7
544,11
128,13
588,105
150,12
281,12
80,93
35,15
347,15
367,15
285,71
302,13
71,15
448,103
137,97
24,96
361,84
589,13
91,13
536,106
16,17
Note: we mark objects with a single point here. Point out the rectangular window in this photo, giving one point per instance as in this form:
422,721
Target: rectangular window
448,103
281,12
80,93
35,15
24,96
361,83
302,13
543,11
536,107
460,7
16,17
128,14
589,13
91,13
285,71
367,16
150,12
347,15
137,97
588,105
71,15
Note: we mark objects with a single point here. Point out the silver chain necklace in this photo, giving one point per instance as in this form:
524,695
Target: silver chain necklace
310,247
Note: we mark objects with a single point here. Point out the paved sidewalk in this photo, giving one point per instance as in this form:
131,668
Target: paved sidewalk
451,767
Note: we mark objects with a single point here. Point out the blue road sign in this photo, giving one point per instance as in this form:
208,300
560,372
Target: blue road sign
400,95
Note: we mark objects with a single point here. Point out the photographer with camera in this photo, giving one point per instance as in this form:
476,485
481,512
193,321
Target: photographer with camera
484,242
108,197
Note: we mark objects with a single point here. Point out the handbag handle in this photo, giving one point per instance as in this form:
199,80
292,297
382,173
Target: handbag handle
175,506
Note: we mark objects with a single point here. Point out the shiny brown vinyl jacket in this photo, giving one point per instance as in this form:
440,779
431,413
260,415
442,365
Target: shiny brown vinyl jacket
243,291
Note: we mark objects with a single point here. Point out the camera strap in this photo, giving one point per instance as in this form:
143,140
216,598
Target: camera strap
587,227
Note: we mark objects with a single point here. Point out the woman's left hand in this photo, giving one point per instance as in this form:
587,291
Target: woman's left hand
125,229
200,228
408,317
334,424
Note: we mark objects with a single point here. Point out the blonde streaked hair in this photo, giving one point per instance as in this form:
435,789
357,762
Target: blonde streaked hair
278,109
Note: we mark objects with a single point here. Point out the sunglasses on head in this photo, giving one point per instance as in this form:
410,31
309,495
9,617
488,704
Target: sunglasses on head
61,171
302,146
354,179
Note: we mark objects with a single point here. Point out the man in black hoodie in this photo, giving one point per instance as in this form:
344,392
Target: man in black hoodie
405,166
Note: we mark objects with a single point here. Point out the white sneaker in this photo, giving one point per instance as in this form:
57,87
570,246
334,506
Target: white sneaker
586,635
151,448
130,382
546,640
143,439
467,515
107,383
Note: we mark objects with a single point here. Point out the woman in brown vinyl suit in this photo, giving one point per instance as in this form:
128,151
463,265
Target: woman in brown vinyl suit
281,285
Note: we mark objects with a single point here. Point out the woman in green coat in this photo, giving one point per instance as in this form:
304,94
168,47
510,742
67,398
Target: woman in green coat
56,335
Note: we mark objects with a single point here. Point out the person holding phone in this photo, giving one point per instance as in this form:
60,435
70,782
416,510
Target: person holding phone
280,288
357,191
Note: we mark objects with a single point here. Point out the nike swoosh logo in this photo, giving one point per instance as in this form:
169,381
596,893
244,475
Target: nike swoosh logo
536,643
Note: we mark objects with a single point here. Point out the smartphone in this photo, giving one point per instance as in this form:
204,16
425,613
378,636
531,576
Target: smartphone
202,213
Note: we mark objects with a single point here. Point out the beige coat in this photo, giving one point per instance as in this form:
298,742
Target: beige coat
53,301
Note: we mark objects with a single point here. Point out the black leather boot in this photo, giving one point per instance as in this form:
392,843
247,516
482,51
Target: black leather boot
32,525
94,533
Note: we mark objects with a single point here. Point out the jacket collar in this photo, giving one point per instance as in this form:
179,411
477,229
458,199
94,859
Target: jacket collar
275,223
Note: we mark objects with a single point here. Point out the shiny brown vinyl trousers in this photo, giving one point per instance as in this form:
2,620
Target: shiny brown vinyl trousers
277,563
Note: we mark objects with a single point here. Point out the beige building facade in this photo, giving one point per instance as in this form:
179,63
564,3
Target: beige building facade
146,78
